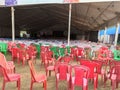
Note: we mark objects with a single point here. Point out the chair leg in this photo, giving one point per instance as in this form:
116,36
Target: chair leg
46,72
49,73
113,84
72,87
56,85
105,80
3,87
68,86
31,86
116,84
95,83
45,85
18,83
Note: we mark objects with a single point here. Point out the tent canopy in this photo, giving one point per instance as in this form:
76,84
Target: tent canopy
85,16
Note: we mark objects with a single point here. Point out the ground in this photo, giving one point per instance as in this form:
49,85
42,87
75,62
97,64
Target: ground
26,79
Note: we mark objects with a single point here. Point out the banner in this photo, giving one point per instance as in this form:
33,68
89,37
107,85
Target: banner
10,2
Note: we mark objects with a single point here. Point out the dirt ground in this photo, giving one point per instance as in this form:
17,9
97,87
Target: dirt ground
51,85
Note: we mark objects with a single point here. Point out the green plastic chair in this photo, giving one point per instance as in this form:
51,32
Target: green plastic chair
116,55
68,49
38,49
62,52
3,47
54,49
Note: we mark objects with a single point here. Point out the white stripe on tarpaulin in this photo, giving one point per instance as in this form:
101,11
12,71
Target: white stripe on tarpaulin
27,2
87,1
2,2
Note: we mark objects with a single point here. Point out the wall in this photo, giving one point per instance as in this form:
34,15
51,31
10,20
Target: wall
7,32
93,36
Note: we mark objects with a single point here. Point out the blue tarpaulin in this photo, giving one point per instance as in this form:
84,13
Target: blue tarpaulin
101,32
119,30
111,30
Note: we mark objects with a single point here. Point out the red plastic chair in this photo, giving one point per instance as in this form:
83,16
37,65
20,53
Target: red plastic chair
65,59
10,67
114,75
93,71
14,53
36,77
10,78
105,55
49,67
45,48
80,77
62,71
32,53
11,45
47,57
100,70
22,45
79,53
22,56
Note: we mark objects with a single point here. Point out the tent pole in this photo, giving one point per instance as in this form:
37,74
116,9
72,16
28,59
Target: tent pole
98,35
104,41
69,23
13,23
116,34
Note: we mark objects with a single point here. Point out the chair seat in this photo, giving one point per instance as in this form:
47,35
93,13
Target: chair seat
40,78
84,80
113,76
50,67
14,77
68,76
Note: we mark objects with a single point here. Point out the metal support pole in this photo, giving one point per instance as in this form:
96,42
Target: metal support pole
69,23
99,37
116,34
104,39
13,23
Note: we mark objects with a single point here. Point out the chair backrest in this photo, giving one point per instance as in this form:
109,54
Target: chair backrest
3,62
115,70
5,74
54,49
80,72
68,49
79,51
92,65
66,59
11,45
14,52
61,51
22,53
63,69
32,70
103,48
99,65
45,48
50,54
103,52
38,47
117,54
